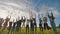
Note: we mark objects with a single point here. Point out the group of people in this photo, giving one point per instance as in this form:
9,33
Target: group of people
32,21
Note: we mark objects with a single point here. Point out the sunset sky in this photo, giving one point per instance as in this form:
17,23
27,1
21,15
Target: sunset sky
17,8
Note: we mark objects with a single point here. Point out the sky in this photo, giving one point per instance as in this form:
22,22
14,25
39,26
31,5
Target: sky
17,8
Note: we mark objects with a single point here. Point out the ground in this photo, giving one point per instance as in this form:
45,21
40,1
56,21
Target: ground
23,31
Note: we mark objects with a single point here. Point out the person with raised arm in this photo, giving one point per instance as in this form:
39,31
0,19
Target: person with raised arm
51,18
27,27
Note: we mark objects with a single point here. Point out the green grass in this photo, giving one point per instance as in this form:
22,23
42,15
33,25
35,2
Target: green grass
23,31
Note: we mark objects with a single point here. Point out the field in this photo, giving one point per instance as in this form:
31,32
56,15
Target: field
23,31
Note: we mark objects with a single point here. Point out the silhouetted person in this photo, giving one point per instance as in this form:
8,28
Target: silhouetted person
59,25
1,21
51,18
40,24
32,25
35,25
5,23
23,20
27,27
10,26
45,23
18,25
14,26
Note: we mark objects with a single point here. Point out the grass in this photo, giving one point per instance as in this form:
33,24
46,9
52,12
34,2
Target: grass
23,31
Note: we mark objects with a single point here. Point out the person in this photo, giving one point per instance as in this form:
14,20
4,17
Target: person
45,23
18,25
5,23
23,20
51,18
31,22
1,22
10,26
32,25
35,25
27,26
59,26
40,24
14,26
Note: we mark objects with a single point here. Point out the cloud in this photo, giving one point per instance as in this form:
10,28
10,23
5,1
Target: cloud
15,10
3,14
44,9
21,7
